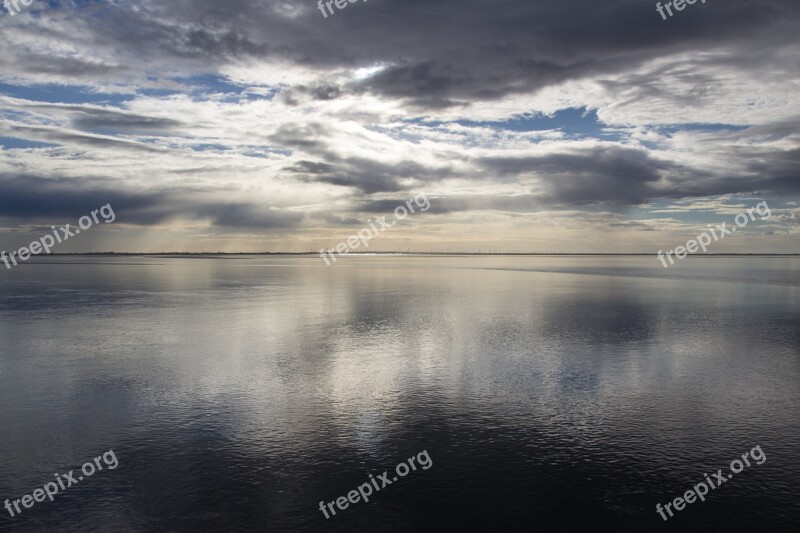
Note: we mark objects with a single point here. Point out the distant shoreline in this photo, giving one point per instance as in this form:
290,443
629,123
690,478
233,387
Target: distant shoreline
373,254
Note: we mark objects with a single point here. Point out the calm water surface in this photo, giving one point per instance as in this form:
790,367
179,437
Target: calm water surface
551,393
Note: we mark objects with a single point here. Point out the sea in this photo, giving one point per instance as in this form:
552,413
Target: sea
550,393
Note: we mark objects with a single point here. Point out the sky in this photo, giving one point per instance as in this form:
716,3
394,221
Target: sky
529,125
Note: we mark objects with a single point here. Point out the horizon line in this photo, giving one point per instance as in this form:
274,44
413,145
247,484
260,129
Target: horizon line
425,253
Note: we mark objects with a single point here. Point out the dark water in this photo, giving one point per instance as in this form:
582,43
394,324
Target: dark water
551,394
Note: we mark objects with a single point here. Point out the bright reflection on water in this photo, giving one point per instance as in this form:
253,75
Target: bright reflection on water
552,394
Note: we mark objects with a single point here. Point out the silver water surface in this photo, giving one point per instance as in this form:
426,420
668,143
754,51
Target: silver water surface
565,393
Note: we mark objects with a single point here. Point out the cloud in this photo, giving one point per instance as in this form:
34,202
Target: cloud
32,199
248,216
70,136
255,115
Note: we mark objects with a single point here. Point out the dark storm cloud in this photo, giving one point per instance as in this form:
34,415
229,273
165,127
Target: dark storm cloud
616,177
343,176
215,44
308,137
101,119
367,175
33,199
446,52
778,173
80,69
95,118
241,215
598,175
440,54
28,198
302,93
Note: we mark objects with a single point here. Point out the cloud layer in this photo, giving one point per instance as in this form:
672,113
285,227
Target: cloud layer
262,125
